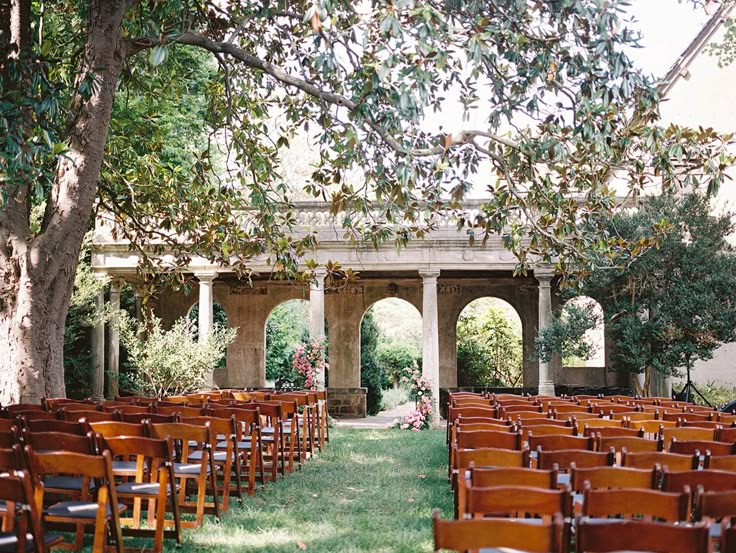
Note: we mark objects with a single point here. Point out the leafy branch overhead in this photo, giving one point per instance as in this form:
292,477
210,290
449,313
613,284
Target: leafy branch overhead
559,107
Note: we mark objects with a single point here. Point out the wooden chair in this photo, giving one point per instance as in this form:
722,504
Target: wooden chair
305,417
627,443
718,508
687,433
650,459
547,429
614,477
18,408
707,479
639,503
690,417
87,416
34,415
248,445
126,408
702,446
519,535
70,485
553,442
531,422
227,459
154,481
597,536
720,462
189,438
514,501
178,409
583,424
24,531
290,430
614,431
651,426
103,513
67,427
485,458
564,459
138,418
726,434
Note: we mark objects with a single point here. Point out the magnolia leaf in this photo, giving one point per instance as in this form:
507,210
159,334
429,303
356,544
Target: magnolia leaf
158,55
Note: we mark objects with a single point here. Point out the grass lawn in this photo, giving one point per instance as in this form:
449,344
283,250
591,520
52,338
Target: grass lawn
369,491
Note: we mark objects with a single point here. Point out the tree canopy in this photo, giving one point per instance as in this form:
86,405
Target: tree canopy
674,304
563,109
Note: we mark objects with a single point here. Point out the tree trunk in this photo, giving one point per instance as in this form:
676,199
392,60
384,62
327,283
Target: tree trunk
37,271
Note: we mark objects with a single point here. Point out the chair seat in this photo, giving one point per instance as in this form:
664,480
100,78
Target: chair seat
141,488
219,456
71,483
188,469
78,509
8,541
124,468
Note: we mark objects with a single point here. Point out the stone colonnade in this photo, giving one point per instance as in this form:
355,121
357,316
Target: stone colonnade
439,297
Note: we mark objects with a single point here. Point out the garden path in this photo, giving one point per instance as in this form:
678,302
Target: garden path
383,419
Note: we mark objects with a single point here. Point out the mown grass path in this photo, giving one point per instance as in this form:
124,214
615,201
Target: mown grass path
369,491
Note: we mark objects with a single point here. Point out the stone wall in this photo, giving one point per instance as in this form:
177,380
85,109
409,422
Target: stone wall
346,402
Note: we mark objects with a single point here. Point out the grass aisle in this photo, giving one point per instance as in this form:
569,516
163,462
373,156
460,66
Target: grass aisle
369,491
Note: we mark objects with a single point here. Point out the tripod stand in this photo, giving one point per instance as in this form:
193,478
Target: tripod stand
687,390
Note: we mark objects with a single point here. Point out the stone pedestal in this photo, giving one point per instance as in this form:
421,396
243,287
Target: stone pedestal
348,403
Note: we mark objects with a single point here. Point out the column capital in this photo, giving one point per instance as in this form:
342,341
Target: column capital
429,275
116,284
206,276
318,278
544,276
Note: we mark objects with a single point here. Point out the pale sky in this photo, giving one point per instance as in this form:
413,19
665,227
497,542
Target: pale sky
668,27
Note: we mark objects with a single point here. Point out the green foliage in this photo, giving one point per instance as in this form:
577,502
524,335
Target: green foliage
394,356
674,304
371,375
286,328
393,397
82,317
569,333
169,362
489,350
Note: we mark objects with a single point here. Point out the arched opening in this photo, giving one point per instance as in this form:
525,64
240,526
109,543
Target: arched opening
594,339
489,344
219,317
287,327
390,342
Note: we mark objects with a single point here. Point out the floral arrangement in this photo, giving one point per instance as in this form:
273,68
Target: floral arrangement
310,360
421,391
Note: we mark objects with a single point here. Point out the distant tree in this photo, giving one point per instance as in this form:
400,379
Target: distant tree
286,328
489,350
395,356
672,305
371,375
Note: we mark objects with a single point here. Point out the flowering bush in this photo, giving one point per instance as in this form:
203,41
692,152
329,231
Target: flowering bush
309,361
421,392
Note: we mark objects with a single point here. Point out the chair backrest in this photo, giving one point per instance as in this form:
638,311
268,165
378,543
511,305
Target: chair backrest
150,454
689,447
649,459
546,429
715,505
138,418
669,416
115,429
513,476
598,536
98,467
564,459
726,434
516,501
488,438
531,422
629,443
88,416
647,504
528,536
708,479
688,433
491,457
124,408
613,432
17,408
15,488
60,441
552,442
178,409
614,477
186,436
721,462
68,427
11,458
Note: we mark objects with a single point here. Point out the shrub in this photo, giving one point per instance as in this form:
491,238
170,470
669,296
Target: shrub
371,375
393,357
170,362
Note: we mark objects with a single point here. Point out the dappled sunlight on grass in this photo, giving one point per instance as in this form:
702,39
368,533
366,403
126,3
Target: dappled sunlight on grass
369,491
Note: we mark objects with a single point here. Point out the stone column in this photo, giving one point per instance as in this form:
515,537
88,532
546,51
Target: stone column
113,352
317,313
206,311
430,337
546,384
98,354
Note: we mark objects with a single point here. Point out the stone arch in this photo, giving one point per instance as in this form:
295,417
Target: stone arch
404,322
596,336
300,318
516,328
